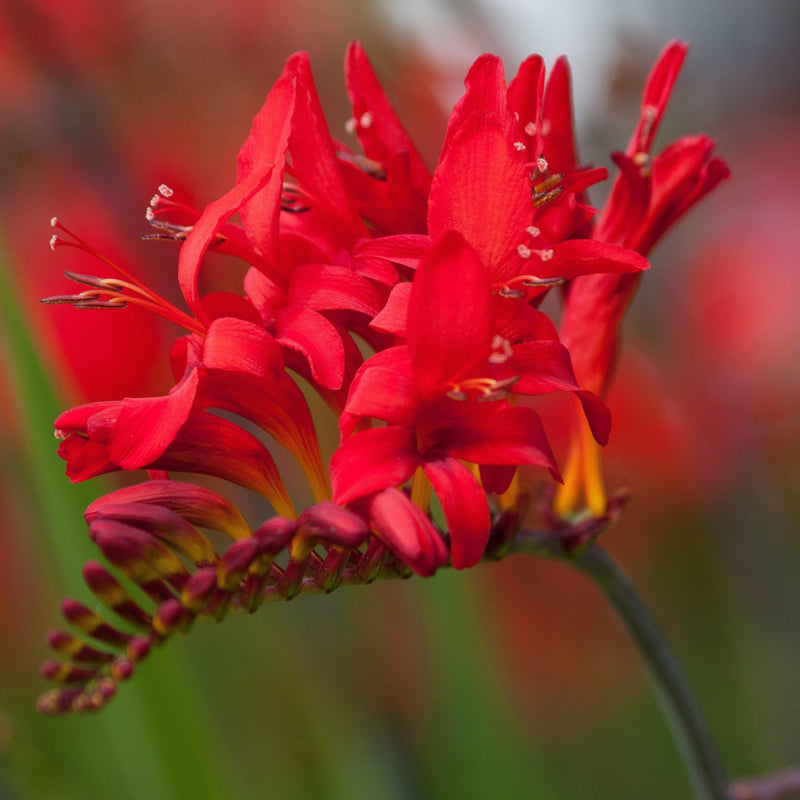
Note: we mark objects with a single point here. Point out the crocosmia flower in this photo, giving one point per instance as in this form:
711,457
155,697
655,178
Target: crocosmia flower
410,300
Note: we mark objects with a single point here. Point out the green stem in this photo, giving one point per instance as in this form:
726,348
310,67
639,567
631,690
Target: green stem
678,703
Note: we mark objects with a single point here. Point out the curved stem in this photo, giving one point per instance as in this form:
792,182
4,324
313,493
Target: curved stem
683,713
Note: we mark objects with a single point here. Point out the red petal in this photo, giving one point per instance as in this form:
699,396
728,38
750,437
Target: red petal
557,111
584,256
406,531
317,339
214,216
406,248
485,92
393,318
146,426
545,367
385,135
449,313
386,392
656,95
266,147
197,504
485,433
325,286
372,460
314,163
465,508
233,344
525,99
481,189
210,445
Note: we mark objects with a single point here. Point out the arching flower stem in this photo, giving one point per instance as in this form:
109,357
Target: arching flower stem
689,727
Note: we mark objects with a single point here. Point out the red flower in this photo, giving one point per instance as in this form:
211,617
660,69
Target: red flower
649,195
428,392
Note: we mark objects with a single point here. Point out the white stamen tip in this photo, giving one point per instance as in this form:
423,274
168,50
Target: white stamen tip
53,222
350,125
59,434
155,200
541,164
525,252
519,145
53,240
165,191
530,129
545,255
149,214
503,346
533,231
366,119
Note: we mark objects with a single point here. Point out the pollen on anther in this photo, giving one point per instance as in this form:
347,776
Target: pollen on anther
59,434
53,222
502,350
519,145
530,129
541,164
165,191
149,214
155,200
533,231
524,251
350,125
366,119
53,240
545,255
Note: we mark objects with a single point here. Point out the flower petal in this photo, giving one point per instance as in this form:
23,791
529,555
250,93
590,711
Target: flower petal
317,339
393,317
481,189
372,460
266,147
406,531
486,433
465,508
385,135
146,426
449,313
545,367
214,216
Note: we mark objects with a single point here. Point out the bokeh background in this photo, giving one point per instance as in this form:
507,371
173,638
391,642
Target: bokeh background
511,680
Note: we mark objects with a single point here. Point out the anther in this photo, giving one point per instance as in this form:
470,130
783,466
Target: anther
524,251
350,125
155,200
530,129
365,120
507,291
149,214
53,240
520,145
545,255
165,191
53,222
533,231
501,350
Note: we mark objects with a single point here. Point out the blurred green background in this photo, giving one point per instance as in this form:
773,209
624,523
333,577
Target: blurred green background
511,680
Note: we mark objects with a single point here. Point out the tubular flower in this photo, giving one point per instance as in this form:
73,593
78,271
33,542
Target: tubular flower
407,300
650,194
